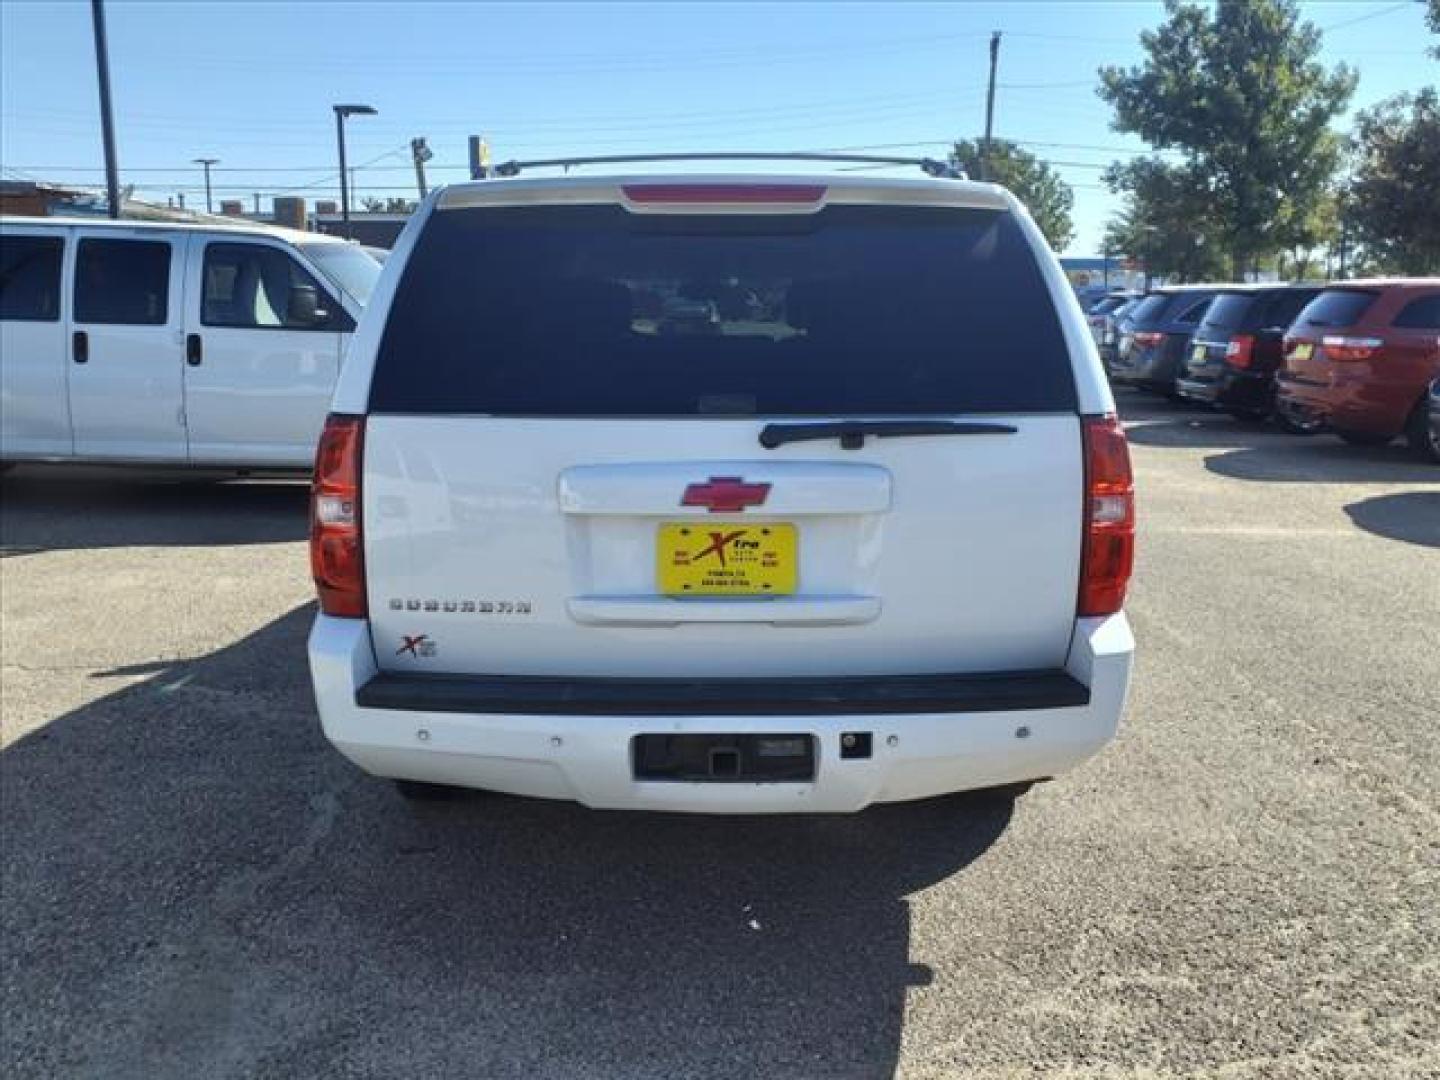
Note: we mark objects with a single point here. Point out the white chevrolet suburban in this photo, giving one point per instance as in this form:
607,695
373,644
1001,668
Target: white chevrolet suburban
172,343
863,536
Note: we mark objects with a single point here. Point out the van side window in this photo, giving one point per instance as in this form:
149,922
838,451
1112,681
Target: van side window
257,287
1421,314
122,281
30,278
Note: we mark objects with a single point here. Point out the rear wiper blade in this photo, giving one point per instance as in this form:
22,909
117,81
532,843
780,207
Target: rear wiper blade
851,433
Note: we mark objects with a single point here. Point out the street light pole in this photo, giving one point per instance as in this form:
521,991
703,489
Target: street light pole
341,112
107,121
206,162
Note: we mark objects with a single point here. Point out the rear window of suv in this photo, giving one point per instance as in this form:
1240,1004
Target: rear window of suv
595,311
1149,308
1336,307
1226,314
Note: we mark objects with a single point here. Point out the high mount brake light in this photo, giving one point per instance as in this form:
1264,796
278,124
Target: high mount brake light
1148,337
1240,352
337,560
1350,348
1108,549
724,193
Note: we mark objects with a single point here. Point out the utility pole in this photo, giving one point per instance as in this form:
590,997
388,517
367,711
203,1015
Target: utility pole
990,106
421,154
107,120
205,163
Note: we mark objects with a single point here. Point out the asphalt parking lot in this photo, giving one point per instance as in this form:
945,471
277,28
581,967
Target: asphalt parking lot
1246,884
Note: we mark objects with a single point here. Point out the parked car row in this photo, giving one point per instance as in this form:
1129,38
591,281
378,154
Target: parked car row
1357,358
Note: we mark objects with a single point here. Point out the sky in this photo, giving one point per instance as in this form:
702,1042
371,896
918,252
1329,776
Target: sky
252,84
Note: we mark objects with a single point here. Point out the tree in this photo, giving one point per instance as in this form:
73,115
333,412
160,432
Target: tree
1034,183
1307,236
1163,225
1242,96
1432,16
1393,200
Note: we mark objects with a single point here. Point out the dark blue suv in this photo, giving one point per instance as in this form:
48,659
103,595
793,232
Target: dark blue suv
1157,335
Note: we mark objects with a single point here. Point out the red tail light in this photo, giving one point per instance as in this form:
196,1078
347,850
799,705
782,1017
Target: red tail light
1148,337
1108,553
1351,348
337,560
1240,352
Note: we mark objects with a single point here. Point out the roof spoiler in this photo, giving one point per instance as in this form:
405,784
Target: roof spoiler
930,166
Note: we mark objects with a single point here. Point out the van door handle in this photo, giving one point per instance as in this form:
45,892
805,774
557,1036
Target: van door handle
82,347
193,350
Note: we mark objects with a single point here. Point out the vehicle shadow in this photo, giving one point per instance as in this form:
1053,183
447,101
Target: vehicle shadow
1264,452
1139,406
64,508
1207,430
197,885
1322,459
1411,516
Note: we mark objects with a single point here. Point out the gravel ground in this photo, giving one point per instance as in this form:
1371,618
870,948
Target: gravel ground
1244,885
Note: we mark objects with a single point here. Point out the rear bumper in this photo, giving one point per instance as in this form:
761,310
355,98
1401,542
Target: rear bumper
1226,387
1352,402
1153,367
999,730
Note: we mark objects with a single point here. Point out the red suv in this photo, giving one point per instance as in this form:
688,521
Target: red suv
1359,357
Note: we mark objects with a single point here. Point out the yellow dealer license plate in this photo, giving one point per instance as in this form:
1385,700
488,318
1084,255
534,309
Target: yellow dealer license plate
1303,351
701,559
1197,354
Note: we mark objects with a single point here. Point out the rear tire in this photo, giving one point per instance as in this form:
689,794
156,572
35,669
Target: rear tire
1365,438
419,791
1249,416
1424,442
1298,427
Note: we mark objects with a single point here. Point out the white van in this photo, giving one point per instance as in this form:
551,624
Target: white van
862,534
171,344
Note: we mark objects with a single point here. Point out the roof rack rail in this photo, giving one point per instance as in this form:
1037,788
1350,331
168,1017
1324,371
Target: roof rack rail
931,166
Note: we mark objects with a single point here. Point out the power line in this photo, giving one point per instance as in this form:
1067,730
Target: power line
336,176
373,166
1048,85
1071,37
580,63
1368,15
569,122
